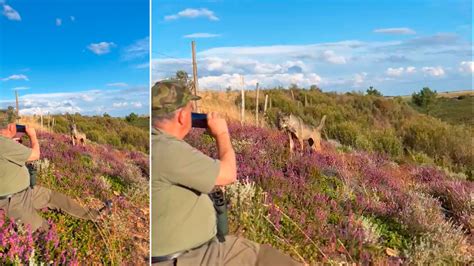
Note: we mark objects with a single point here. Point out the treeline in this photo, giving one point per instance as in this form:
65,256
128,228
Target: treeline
129,133
374,123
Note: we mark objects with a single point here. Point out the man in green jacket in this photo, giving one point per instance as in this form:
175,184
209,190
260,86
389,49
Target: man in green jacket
183,216
18,199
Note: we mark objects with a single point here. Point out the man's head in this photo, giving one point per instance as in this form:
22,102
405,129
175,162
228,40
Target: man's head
172,107
7,125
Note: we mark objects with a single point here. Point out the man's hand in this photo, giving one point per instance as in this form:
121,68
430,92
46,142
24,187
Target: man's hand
217,125
31,132
228,166
35,153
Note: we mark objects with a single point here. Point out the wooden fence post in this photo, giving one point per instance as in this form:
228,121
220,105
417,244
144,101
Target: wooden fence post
256,107
242,114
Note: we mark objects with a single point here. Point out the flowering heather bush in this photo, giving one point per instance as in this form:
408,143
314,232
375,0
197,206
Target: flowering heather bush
337,206
89,174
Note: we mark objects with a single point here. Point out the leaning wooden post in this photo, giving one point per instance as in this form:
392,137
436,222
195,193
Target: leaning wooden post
256,107
292,94
305,100
265,105
265,108
17,108
242,114
195,75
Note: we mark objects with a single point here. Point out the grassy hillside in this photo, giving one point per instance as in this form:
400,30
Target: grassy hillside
118,132
454,110
89,174
370,123
341,206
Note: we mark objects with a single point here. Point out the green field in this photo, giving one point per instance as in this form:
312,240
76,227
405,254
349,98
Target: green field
457,110
118,132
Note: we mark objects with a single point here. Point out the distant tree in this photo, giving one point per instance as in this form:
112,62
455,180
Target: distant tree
293,86
314,87
131,117
106,115
228,89
11,114
182,75
425,98
373,91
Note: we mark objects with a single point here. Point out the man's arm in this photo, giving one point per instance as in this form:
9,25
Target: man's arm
228,166
35,148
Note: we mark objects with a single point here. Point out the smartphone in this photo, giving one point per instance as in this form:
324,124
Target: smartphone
199,120
20,128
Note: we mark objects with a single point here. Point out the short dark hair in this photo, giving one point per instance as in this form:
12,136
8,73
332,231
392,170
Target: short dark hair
165,116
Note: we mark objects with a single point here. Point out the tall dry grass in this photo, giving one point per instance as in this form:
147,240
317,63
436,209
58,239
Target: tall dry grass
224,103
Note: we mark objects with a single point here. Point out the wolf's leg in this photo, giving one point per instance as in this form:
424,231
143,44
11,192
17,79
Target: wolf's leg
291,142
301,144
317,143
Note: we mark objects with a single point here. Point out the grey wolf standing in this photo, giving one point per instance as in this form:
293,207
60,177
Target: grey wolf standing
295,127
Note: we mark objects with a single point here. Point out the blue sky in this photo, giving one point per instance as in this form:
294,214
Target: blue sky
75,56
396,46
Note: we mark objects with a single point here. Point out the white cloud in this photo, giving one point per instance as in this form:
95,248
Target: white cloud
234,80
20,88
201,35
193,13
434,71
394,72
11,13
411,69
139,49
331,57
395,31
89,102
136,104
59,22
466,66
101,48
359,79
72,18
120,104
397,72
143,65
16,77
340,65
117,84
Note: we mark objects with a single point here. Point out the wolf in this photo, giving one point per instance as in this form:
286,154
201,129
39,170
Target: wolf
295,127
76,135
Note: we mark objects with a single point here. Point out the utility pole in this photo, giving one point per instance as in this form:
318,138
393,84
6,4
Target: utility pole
17,107
256,107
242,114
195,75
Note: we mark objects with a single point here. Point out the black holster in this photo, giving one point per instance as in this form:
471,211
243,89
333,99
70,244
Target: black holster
220,205
33,173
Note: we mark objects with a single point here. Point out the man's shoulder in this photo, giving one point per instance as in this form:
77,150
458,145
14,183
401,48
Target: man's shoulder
4,141
169,142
